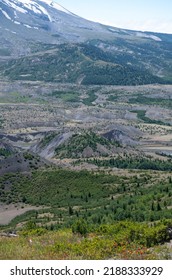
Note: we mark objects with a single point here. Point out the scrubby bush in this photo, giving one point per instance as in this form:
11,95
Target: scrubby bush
80,226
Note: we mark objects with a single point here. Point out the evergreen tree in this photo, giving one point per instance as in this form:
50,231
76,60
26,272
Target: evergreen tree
70,211
158,207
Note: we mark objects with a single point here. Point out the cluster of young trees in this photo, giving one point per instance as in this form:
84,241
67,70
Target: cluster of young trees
70,62
5,152
97,198
134,163
78,142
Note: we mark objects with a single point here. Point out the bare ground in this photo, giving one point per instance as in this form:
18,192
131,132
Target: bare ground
9,212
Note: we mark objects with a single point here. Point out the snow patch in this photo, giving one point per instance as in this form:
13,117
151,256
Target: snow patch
156,38
113,30
16,22
28,26
23,6
5,14
56,6
15,14
35,10
14,6
144,35
35,7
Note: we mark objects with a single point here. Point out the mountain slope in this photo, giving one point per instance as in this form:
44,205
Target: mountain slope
76,63
42,21
41,40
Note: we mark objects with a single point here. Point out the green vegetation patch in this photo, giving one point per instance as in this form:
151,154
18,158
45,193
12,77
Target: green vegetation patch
80,61
121,240
141,99
92,97
28,156
5,152
97,198
67,96
5,52
48,138
134,163
75,146
59,187
112,98
141,114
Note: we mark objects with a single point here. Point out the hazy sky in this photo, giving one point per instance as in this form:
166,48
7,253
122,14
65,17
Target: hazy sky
145,15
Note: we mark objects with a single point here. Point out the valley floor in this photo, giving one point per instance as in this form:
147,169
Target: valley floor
98,156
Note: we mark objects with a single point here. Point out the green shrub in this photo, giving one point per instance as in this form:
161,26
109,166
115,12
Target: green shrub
80,226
